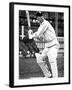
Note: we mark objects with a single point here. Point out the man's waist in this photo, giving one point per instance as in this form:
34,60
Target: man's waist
52,43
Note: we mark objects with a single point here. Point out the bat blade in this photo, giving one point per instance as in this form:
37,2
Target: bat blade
28,19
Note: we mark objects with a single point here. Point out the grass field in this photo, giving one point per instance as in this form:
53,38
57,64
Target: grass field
29,68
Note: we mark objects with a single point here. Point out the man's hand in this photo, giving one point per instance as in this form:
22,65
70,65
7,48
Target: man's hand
30,33
40,38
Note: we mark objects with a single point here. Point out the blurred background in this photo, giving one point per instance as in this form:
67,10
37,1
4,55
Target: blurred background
28,66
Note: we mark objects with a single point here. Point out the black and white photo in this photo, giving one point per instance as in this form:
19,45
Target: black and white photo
39,44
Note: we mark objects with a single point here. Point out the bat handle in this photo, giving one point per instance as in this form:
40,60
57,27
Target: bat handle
29,28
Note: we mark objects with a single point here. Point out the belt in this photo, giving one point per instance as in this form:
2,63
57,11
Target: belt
52,46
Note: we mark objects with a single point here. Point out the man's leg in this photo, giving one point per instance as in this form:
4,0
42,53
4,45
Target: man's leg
30,48
23,48
52,55
43,65
36,49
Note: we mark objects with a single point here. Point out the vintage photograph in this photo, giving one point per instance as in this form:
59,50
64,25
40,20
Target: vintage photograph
39,44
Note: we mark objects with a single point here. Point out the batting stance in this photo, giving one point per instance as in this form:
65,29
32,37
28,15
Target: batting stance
46,32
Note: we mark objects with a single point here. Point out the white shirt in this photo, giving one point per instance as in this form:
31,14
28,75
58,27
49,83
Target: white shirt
47,32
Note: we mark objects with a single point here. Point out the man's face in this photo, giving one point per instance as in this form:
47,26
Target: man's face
39,19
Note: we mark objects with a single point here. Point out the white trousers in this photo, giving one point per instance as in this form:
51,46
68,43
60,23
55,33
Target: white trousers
52,55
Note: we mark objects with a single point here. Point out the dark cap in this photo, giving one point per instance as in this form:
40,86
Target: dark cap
38,14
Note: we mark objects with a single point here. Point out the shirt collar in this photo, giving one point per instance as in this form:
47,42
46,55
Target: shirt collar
43,22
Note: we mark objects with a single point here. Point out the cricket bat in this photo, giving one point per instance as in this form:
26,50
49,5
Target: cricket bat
28,19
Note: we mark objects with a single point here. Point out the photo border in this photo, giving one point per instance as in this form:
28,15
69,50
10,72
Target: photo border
11,42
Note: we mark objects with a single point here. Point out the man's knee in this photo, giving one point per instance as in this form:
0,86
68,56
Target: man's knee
39,58
52,60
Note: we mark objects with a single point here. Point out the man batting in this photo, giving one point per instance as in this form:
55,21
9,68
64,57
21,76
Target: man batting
46,31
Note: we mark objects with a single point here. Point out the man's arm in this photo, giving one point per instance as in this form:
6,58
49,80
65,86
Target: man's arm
40,31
